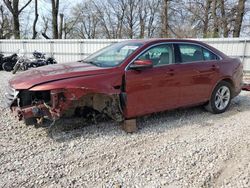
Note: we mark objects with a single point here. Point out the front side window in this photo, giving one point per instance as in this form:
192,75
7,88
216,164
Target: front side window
113,55
159,55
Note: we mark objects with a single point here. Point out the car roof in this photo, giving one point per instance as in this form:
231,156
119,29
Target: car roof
159,40
156,40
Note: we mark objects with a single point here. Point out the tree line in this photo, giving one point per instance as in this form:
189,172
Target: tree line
91,19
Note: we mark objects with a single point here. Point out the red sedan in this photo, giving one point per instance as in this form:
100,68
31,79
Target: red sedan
130,79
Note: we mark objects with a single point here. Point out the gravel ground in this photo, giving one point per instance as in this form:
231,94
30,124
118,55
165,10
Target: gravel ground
181,148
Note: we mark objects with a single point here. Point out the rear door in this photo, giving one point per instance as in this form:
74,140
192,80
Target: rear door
198,71
154,89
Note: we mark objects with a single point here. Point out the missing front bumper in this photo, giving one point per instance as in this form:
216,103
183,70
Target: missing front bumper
37,111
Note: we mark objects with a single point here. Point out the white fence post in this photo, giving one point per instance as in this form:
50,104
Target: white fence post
51,48
244,53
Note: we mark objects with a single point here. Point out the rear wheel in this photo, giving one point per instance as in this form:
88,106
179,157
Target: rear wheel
220,99
7,67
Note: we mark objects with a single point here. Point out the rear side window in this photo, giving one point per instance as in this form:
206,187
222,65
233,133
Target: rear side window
209,55
192,53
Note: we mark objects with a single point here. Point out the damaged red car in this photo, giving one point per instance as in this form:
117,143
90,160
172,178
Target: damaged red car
130,79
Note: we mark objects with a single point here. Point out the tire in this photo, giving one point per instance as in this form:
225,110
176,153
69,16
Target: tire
1,66
220,99
30,121
7,67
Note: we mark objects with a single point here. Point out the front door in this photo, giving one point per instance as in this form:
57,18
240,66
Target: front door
153,89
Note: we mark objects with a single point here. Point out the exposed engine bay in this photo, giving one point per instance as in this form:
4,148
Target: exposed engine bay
55,104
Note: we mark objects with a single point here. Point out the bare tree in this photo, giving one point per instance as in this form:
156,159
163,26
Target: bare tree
45,27
55,9
35,21
206,19
5,24
224,19
131,17
61,26
153,9
164,17
86,17
118,10
70,26
142,11
13,7
239,18
215,19
103,18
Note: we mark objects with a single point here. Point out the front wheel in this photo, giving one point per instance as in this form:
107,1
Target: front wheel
220,99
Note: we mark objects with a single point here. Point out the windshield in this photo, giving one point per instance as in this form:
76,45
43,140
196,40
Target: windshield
112,55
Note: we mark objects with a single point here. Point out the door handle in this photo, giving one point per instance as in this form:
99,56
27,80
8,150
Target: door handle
170,72
214,67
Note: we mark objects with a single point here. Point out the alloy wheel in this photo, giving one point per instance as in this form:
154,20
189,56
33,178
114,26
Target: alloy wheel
222,97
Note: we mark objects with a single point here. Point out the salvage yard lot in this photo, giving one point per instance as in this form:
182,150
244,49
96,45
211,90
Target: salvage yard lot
180,148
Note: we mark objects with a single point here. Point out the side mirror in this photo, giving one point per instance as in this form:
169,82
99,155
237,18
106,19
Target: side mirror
141,64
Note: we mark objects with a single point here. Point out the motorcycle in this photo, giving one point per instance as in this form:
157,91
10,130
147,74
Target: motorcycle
38,60
7,63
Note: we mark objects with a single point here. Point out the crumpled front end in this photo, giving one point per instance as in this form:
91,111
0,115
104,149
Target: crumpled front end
26,104
57,103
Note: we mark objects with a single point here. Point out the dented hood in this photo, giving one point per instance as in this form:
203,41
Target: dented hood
50,73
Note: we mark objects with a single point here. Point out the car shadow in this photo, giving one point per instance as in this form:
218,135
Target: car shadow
71,128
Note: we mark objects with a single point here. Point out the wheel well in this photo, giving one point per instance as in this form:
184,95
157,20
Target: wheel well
228,80
107,104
